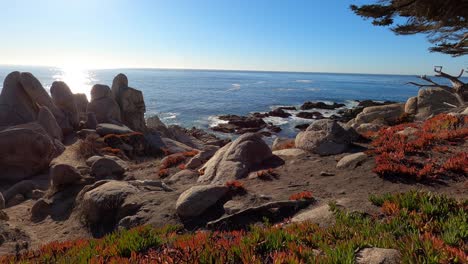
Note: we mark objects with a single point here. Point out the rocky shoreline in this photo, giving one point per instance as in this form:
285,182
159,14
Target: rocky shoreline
70,168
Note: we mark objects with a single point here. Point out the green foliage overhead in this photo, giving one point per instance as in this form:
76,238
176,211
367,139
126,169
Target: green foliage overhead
445,22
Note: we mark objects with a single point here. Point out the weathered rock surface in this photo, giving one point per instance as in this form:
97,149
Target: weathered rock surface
324,137
433,101
240,124
64,99
183,176
106,129
195,201
23,188
378,256
2,201
351,161
101,203
81,102
21,94
234,160
292,152
411,106
131,102
103,105
15,105
385,114
233,206
47,120
62,175
320,105
26,150
202,156
310,115
91,121
155,124
321,215
106,167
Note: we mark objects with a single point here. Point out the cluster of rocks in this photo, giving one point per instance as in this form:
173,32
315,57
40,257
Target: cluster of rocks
255,123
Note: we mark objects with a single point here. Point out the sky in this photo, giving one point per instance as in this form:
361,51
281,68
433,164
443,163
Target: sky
271,35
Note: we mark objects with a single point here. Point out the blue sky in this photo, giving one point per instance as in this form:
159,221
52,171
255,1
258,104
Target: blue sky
280,35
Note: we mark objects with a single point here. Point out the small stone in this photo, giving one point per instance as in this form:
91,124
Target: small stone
351,161
378,255
325,173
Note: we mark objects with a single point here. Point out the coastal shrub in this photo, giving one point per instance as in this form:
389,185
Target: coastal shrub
163,173
181,166
300,196
409,155
236,187
286,145
190,153
423,227
172,160
89,146
267,174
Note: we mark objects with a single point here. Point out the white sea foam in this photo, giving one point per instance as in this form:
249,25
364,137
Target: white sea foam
168,115
313,89
235,87
277,121
214,121
303,81
285,89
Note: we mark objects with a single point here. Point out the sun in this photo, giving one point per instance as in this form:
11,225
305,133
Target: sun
79,79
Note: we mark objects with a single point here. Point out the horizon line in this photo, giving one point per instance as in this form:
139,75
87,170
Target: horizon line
208,69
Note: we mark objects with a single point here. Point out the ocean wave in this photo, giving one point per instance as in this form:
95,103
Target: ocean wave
313,89
277,121
303,81
285,89
235,87
214,121
168,115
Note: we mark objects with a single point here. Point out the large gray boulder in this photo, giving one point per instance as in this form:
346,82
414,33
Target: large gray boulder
194,201
131,102
81,102
380,114
62,175
103,105
106,167
433,101
15,105
25,151
155,124
47,120
411,106
64,99
324,137
100,204
234,160
21,96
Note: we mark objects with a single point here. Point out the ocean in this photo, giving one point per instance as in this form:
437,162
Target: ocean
195,97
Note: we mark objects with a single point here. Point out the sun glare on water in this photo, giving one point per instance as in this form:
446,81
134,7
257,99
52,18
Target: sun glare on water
79,80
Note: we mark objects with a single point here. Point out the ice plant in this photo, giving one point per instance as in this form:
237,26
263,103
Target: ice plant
301,195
